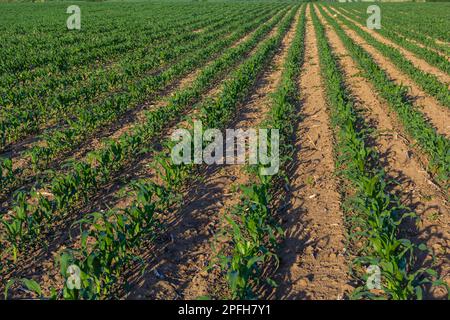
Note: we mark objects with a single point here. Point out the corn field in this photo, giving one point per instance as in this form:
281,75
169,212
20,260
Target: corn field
93,206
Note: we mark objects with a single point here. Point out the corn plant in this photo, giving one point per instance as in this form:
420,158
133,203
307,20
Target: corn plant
6,172
253,238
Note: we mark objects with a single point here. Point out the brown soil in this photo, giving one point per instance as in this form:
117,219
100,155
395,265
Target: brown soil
312,264
438,115
414,185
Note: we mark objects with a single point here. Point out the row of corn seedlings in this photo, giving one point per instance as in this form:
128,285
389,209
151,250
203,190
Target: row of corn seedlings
252,227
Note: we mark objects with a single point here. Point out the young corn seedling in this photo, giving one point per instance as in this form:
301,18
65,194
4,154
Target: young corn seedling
109,241
6,171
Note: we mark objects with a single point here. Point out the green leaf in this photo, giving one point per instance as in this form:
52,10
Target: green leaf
32,286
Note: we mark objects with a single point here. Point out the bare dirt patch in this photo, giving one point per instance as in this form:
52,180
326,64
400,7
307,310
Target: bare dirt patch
312,265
